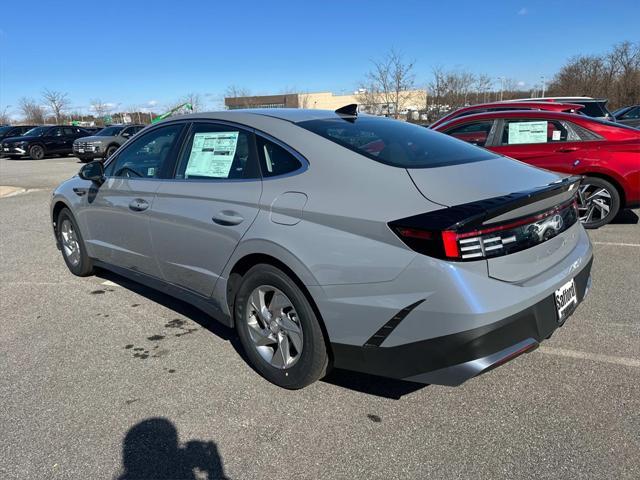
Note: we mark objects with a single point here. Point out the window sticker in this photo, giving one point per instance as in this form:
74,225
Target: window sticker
556,135
212,154
527,132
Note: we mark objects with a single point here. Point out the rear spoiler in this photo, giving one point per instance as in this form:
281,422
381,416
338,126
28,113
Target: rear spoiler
475,214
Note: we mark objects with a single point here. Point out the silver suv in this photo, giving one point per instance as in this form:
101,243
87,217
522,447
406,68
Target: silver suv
332,239
105,142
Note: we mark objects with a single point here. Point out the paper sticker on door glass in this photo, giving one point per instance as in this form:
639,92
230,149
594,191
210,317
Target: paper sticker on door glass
212,154
527,132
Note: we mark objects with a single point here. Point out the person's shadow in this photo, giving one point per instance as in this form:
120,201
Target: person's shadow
150,450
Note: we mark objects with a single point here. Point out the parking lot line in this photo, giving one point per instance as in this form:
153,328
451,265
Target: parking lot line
596,357
615,244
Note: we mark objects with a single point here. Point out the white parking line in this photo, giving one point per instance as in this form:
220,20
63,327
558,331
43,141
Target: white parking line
596,357
617,244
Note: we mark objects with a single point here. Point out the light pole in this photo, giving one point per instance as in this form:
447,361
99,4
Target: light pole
543,85
501,86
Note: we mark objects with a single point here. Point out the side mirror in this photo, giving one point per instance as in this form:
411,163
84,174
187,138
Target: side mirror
126,134
93,172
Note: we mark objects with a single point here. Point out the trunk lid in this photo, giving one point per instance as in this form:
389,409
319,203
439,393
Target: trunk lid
484,195
469,182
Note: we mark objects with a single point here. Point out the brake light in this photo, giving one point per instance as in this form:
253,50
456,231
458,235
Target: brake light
463,244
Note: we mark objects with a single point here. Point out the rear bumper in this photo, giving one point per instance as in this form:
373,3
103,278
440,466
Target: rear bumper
452,359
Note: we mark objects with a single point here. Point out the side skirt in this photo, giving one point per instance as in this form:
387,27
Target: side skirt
207,305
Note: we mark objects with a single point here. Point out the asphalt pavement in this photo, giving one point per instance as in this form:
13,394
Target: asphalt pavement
102,378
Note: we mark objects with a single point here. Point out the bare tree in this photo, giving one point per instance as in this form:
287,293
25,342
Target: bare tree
57,101
32,111
237,92
388,83
614,75
195,100
5,117
100,109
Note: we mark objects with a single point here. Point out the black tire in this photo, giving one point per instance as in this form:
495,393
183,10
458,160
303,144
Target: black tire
84,267
111,149
593,190
314,359
36,152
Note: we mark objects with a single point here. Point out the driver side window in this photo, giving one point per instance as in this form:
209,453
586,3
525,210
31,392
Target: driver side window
145,157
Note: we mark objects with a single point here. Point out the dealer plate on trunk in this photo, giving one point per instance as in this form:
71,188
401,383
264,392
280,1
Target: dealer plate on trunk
566,300
81,150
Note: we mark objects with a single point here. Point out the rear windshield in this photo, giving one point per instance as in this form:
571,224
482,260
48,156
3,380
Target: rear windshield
396,143
594,109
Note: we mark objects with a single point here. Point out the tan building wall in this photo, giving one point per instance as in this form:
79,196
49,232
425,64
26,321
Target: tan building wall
415,100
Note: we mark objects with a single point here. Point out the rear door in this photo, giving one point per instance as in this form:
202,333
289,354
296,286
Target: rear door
545,143
117,212
53,140
199,216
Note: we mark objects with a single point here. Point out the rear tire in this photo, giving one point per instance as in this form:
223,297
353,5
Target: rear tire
36,152
598,202
72,245
283,340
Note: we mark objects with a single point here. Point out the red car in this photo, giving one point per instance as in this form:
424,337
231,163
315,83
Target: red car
506,106
607,154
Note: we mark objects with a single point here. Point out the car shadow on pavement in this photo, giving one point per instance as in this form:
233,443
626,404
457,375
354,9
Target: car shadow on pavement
151,450
360,382
371,384
626,217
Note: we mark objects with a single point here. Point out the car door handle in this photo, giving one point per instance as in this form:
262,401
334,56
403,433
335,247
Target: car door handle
80,191
138,205
567,149
227,218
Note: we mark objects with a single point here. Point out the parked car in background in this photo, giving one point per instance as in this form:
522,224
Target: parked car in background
591,107
432,260
104,142
606,153
505,106
42,141
8,131
628,115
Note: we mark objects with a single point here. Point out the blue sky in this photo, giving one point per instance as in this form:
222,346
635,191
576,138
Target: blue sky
150,53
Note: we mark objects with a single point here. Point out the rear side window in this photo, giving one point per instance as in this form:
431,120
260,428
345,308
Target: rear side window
529,131
275,160
215,151
396,143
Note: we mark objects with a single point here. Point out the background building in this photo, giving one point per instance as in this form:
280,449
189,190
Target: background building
378,103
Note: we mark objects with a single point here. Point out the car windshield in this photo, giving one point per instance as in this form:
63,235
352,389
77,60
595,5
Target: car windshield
109,132
396,143
36,132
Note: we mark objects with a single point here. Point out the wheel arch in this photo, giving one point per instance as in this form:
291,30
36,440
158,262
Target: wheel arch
242,266
56,208
613,181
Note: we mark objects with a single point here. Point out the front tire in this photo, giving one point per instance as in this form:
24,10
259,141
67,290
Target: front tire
598,202
72,246
110,151
36,152
279,329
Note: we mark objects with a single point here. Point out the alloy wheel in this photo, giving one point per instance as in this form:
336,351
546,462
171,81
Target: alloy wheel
70,244
274,326
594,203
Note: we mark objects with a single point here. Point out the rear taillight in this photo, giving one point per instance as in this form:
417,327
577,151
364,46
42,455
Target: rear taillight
464,243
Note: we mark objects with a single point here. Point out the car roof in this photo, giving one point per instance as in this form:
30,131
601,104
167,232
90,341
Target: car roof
293,115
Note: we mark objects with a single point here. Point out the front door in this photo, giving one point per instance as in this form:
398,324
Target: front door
198,217
117,212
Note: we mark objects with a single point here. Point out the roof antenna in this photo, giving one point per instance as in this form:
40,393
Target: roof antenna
350,110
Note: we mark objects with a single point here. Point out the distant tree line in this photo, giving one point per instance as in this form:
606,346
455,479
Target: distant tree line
614,75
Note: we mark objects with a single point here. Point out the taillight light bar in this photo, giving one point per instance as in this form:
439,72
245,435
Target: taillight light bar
461,244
